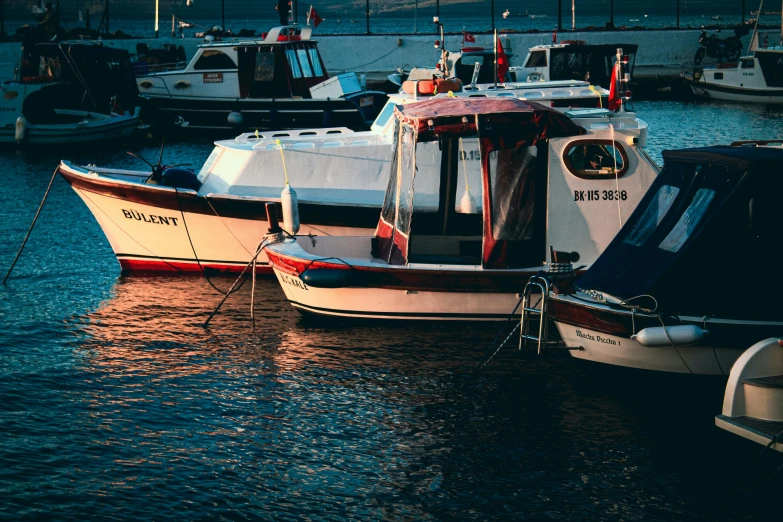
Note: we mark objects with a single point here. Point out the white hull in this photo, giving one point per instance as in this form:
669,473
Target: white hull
620,351
102,128
388,303
738,95
183,241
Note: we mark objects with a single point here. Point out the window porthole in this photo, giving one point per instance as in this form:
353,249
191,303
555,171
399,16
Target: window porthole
595,159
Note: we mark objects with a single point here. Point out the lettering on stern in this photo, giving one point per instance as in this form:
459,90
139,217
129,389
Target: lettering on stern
293,281
596,338
154,219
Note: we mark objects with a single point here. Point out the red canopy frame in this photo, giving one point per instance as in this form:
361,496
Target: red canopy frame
506,126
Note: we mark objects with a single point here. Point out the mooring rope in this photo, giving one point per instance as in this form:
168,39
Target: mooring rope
37,213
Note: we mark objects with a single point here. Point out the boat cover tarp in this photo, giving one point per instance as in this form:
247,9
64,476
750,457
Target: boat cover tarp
509,130
704,239
102,78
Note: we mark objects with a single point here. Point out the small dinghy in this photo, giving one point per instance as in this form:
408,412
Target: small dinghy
753,403
538,177
659,297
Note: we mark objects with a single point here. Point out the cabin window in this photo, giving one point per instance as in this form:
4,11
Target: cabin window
302,53
469,178
688,221
512,178
296,72
207,167
265,67
537,59
596,159
316,61
653,215
385,114
747,63
718,76
212,59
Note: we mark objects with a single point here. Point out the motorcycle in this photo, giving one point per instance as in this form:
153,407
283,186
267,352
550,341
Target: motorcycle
723,49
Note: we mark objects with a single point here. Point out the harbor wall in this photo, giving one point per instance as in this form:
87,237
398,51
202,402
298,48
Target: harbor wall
385,53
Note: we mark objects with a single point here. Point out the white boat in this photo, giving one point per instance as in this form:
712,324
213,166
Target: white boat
340,176
540,178
279,82
756,78
656,298
567,61
69,93
574,59
753,402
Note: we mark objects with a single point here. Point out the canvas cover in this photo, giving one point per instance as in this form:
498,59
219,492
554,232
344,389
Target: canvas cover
508,127
710,216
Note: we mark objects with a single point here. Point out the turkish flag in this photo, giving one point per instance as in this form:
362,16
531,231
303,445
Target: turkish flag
614,90
502,62
313,16
469,38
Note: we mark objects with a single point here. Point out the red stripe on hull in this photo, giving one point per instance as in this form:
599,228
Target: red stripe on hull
157,265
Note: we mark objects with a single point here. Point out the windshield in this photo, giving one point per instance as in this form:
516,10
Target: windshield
383,118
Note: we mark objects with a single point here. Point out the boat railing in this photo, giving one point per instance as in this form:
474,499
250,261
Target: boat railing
144,68
250,137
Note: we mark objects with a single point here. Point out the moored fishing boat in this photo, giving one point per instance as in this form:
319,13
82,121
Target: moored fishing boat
755,78
658,297
279,82
215,221
69,93
545,178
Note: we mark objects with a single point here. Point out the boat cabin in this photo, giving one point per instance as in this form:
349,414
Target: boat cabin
285,64
710,216
69,75
573,61
483,176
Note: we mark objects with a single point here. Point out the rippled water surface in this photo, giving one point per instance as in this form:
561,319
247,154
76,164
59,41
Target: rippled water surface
116,403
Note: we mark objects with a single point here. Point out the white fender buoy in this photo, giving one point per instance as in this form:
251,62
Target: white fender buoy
21,128
670,335
290,210
468,203
235,118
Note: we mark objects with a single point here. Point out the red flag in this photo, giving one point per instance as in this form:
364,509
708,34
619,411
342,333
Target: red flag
614,90
313,16
469,38
502,62
554,37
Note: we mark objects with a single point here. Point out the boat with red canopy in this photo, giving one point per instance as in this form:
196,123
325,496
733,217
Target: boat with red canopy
467,257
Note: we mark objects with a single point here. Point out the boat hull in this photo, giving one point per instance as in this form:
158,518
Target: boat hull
736,94
375,290
114,128
605,333
154,228
212,114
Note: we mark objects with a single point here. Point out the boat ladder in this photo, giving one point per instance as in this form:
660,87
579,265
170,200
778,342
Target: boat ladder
531,311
